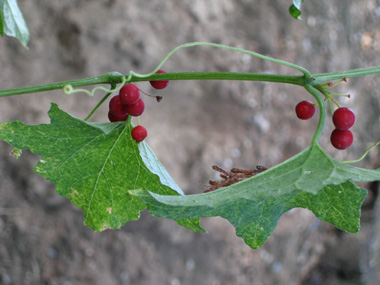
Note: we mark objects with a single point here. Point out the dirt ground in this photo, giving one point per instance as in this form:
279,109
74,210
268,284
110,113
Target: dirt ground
198,124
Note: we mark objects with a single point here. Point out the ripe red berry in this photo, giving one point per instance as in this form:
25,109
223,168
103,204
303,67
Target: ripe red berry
139,133
341,139
117,108
160,84
343,118
305,110
129,94
136,109
114,118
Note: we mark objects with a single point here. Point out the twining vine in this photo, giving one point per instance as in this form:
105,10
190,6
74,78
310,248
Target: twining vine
109,171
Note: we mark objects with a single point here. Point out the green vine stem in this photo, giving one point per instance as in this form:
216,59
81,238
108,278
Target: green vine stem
282,62
116,78
359,72
310,82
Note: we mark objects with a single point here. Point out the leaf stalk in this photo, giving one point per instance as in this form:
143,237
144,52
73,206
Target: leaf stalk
322,112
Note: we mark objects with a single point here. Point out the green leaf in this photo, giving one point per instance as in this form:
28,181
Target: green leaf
256,217
13,21
93,165
311,180
295,9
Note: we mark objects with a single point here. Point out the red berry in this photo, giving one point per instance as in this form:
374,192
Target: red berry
139,133
341,139
343,118
129,94
114,118
305,110
161,84
117,108
136,109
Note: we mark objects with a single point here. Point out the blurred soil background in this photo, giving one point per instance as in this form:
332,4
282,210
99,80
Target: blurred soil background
197,124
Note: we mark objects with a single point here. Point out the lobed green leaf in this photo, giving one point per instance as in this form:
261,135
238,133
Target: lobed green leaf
310,180
93,165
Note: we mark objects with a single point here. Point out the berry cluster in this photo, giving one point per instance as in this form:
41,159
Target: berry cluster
128,102
343,119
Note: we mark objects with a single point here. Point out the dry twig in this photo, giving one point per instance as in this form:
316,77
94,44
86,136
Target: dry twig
233,176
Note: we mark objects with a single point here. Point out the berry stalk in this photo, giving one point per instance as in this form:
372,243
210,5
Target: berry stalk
113,86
